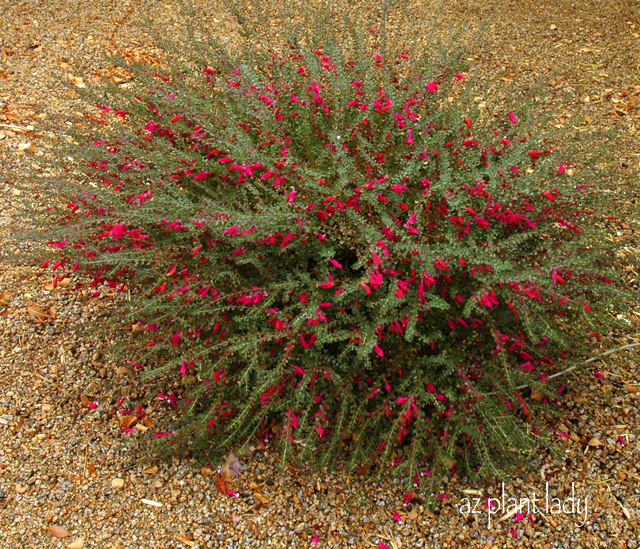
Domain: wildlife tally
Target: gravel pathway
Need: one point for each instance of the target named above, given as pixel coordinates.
(70, 478)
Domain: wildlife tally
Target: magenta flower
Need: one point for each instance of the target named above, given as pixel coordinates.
(307, 340)
(556, 277)
(482, 222)
(232, 230)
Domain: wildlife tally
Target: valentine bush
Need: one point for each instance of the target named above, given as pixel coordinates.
(337, 249)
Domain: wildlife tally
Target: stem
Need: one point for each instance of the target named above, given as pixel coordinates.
(592, 359)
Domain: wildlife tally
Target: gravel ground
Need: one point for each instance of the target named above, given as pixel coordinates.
(70, 478)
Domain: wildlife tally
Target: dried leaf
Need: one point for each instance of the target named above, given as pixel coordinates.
(631, 389)
(551, 521)
(77, 544)
(221, 485)
(206, 472)
(233, 466)
(59, 531)
(227, 475)
(413, 514)
(49, 286)
(117, 483)
(186, 541)
(262, 499)
(594, 442)
(127, 421)
(37, 312)
(535, 395)
(64, 282)
(151, 470)
(78, 82)
(122, 371)
(4, 295)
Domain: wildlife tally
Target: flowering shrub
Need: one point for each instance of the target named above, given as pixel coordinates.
(338, 250)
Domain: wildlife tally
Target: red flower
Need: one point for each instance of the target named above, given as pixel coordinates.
(308, 340)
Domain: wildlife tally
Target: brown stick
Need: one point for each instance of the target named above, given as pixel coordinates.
(571, 368)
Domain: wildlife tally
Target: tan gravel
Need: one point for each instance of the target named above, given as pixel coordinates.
(70, 478)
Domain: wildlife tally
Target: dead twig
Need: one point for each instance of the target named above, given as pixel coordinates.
(589, 360)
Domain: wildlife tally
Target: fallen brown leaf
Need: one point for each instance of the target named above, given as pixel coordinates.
(58, 531)
(232, 467)
(227, 475)
(206, 472)
(127, 421)
(186, 541)
(535, 395)
(38, 313)
(594, 442)
(77, 544)
(150, 470)
(262, 499)
(221, 485)
(78, 82)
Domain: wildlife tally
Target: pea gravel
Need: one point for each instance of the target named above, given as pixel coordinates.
(67, 470)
